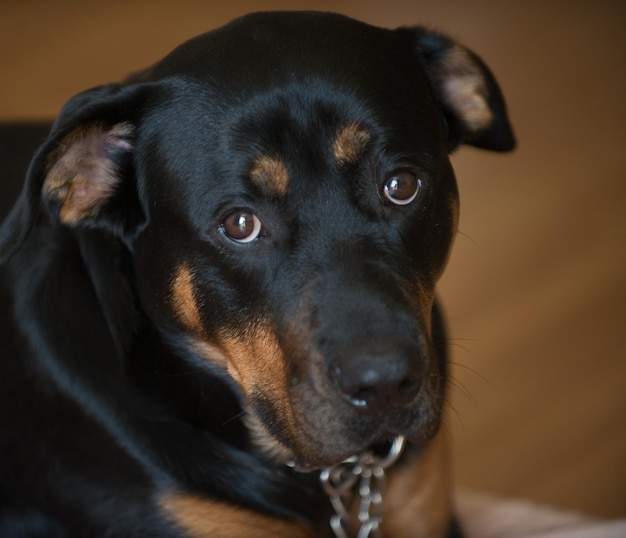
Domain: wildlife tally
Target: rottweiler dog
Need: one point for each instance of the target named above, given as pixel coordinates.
(218, 284)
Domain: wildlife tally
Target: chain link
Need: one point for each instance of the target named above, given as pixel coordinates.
(359, 480)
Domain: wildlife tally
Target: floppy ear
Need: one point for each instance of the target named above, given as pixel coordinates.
(467, 92)
(83, 171)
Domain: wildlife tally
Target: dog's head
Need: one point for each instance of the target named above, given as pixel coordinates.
(284, 188)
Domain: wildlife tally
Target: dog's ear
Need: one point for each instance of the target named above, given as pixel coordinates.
(83, 172)
(466, 90)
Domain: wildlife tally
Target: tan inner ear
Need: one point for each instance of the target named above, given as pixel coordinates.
(465, 89)
(80, 174)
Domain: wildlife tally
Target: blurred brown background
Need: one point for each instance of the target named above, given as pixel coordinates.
(536, 289)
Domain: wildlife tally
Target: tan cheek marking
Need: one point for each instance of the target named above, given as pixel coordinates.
(264, 441)
(203, 518)
(464, 89)
(80, 175)
(184, 301)
(207, 351)
(418, 500)
(349, 143)
(256, 360)
(187, 310)
(271, 174)
(257, 363)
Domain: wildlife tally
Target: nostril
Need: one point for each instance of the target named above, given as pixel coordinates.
(363, 397)
(371, 383)
(407, 390)
(359, 387)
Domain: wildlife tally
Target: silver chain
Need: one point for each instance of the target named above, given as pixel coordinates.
(359, 479)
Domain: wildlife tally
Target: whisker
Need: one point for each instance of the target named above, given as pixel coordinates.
(454, 343)
(234, 418)
(472, 241)
(459, 346)
(445, 419)
(473, 371)
(459, 339)
(463, 390)
(178, 374)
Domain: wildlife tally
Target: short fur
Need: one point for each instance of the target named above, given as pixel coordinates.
(160, 361)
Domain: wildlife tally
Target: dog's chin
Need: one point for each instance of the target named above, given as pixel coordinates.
(358, 436)
(303, 456)
(315, 452)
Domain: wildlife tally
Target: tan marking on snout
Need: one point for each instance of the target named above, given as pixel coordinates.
(264, 440)
(252, 357)
(187, 310)
(418, 498)
(205, 518)
(184, 301)
(271, 174)
(255, 358)
(465, 89)
(207, 351)
(349, 143)
(257, 363)
(80, 176)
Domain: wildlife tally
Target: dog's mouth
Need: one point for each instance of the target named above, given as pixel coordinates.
(313, 433)
(381, 455)
(334, 382)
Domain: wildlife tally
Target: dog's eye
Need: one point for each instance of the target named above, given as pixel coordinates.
(402, 188)
(242, 226)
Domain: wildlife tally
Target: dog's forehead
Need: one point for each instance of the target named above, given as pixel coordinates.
(301, 55)
(260, 48)
(274, 92)
(264, 51)
(307, 133)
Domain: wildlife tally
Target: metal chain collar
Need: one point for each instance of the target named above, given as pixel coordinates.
(359, 479)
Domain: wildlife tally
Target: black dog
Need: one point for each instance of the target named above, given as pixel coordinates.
(227, 263)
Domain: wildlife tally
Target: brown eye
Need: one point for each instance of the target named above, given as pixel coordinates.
(402, 188)
(242, 226)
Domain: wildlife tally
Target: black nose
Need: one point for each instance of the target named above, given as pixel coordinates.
(372, 382)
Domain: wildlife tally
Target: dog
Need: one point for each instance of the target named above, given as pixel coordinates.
(218, 288)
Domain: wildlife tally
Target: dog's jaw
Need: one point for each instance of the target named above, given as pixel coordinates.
(264, 441)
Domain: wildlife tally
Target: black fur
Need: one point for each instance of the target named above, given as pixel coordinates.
(104, 403)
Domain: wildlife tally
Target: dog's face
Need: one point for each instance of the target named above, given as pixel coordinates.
(283, 185)
(300, 253)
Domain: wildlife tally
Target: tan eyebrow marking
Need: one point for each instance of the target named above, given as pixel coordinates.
(271, 174)
(349, 143)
